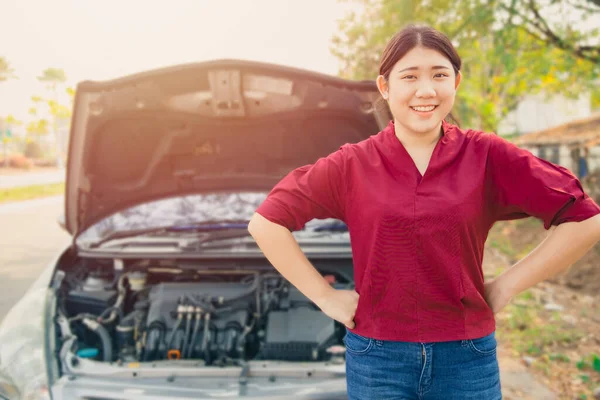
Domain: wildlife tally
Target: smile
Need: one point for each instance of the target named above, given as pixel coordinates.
(424, 108)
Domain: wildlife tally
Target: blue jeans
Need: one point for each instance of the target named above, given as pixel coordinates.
(453, 370)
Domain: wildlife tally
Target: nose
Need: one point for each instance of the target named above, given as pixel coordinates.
(425, 90)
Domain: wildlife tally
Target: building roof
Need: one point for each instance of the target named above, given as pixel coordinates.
(580, 132)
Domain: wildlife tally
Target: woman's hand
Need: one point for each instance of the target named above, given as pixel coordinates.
(340, 305)
(496, 295)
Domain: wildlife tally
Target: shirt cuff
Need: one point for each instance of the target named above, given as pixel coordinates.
(273, 212)
(580, 210)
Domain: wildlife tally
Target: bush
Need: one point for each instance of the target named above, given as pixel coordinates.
(45, 162)
(18, 161)
(33, 150)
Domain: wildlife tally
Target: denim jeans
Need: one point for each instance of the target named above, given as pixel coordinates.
(453, 370)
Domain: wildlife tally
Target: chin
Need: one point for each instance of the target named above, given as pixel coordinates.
(424, 128)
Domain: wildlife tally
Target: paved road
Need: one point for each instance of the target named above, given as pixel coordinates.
(34, 178)
(29, 239)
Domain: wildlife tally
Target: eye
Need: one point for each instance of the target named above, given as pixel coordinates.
(409, 77)
(441, 75)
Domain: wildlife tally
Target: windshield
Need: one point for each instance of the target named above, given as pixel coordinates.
(189, 210)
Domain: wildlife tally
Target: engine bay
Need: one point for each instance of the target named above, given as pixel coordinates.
(219, 313)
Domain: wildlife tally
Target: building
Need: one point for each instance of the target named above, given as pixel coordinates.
(536, 112)
(574, 145)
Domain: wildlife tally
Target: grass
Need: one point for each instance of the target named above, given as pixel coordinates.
(528, 333)
(31, 192)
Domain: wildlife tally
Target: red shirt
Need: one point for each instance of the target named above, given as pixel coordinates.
(417, 241)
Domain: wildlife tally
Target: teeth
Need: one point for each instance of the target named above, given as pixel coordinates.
(424, 109)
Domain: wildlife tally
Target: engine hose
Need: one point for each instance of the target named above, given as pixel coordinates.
(242, 338)
(194, 333)
(174, 332)
(104, 337)
(110, 309)
(120, 298)
(258, 293)
(161, 334)
(188, 326)
(206, 333)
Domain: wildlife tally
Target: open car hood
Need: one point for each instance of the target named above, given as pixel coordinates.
(211, 126)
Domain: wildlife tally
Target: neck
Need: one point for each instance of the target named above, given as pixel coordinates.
(414, 139)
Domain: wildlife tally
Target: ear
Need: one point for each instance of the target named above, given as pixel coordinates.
(458, 79)
(382, 85)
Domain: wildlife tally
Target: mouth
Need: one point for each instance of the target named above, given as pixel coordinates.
(424, 110)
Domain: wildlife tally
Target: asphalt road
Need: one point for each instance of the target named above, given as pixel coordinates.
(29, 239)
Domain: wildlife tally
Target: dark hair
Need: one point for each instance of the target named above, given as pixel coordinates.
(412, 36)
(409, 38)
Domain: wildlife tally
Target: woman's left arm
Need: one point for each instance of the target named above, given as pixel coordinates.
(563, 247)
(521, 185)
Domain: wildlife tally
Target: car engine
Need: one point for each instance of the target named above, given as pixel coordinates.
(217, 316)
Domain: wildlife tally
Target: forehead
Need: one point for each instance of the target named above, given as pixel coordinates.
(422, 57)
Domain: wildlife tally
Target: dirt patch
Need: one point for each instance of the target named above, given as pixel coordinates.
(553, 328)
(515, 239)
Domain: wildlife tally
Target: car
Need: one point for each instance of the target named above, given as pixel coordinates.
(162, 292)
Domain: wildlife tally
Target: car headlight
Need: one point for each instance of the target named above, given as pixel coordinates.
(8, 390)
(25, 378)
(24, 368)
(36, 390)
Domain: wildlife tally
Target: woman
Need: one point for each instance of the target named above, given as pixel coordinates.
(419, 199)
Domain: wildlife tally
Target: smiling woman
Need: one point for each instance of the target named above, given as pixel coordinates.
(419, 76)
(419, 199)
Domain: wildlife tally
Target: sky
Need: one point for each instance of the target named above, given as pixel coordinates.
(99, 40)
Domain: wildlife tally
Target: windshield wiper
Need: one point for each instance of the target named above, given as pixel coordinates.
(336, 226)
(224, 240)
(204, 226)
(220, 230)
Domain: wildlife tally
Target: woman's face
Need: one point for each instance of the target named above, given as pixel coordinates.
(420, 90)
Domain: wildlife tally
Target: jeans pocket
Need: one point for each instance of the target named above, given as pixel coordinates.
(357, 344)
(484, 345)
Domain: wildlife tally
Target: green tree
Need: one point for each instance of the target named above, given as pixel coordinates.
(12, 121)
(6, 72)
(38, 128)
(53, 78)
(559, 23)
(7, 126)
(501, 63)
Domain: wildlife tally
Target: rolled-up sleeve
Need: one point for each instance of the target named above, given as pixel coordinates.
(312, 191)
(524, 185)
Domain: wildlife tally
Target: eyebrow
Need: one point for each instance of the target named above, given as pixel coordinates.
(417, 68)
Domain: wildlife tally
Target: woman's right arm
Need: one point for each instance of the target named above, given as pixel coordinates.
(283, 252)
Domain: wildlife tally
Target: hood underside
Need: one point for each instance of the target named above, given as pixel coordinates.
(221, 125)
